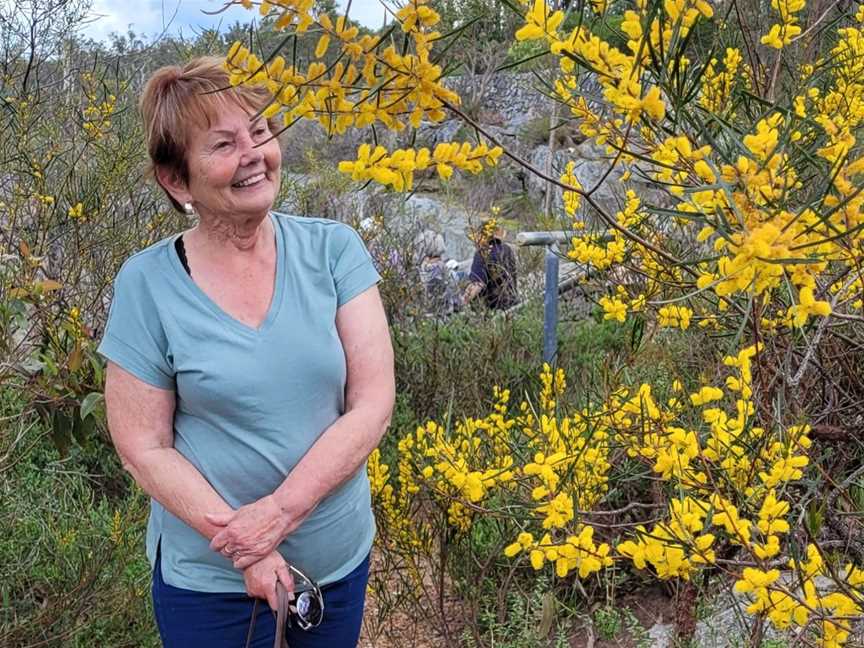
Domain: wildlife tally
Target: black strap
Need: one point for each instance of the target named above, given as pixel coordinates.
(181, 252)
(252, 624)
(281, 618)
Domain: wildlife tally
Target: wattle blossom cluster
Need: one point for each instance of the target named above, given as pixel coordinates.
(718, 85)
(738, 219)
(545, 475)
(98, 112)
(555, 465)
(397, 169)
(783, 33)
(731, 484)
(367, 81)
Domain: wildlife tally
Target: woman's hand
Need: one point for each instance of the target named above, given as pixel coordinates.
(261, 578)
(251, 532)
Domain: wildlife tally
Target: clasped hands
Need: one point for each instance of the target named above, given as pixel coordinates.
(249, 537)
(251, 532)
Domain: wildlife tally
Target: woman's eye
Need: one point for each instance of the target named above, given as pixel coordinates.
(222, 145)
(260, 131)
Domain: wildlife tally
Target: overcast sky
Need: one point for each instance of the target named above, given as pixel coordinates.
(151, 17)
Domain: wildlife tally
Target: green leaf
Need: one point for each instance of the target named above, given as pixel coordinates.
(458, 30)
(507, 66)
(815, 517)
(75, 358)
(548, 614)
(48, 285)
(90, 403)
(637, 332)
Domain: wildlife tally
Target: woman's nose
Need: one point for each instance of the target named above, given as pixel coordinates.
(249, 151)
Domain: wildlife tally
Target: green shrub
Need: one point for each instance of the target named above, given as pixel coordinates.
(454, 364)
(72, 566)
(535, 131)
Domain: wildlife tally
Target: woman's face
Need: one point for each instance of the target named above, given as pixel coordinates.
(234, 168)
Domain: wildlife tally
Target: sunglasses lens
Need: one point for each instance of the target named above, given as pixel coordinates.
(309, 608)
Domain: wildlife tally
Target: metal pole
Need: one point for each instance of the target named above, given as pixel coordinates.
(543, 238)
(550, 308)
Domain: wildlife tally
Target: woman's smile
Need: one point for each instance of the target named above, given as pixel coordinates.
(251, 181)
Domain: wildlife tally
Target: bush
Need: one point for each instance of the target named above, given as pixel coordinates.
(453, 364)
(73, 571)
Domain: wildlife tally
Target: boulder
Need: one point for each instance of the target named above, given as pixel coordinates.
(451, 221)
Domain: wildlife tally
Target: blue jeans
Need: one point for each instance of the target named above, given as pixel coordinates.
(189, 619)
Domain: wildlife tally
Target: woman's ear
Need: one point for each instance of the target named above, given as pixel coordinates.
(169, 180)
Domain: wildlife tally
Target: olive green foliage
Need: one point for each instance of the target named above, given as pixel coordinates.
(607, 621)
(452, 365)
(72, 569)
(455, 363)
(74, 205)
(516, 620)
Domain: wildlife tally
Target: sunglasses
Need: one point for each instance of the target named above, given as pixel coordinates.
(306, 610)
(308, 607)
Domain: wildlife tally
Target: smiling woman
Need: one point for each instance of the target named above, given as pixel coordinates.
(233, 166)
(250, 375)
(196, 126)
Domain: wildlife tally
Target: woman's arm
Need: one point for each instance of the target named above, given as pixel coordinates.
(478, 277)
(471, 291)
(370, 393)
(141, 423)
(343, 447)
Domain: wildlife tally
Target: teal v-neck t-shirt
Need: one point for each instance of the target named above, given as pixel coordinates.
(249, 402)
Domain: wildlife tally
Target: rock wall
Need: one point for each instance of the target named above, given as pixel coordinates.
(513, 96)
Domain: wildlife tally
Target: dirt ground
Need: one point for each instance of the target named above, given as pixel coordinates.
(400, 630)
(649, 606)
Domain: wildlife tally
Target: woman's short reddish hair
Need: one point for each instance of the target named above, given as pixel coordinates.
(174, 98)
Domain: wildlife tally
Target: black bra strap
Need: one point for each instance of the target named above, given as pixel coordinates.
(181, 252)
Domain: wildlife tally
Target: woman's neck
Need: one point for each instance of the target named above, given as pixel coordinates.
(224, 236)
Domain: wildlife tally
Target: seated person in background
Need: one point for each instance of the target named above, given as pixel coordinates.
(493, 270)
(435, 275)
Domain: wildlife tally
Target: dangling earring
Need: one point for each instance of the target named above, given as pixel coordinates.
(189, 209)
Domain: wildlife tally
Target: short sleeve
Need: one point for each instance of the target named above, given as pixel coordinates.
(350, 264)
(479, 271)
(134, 336)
